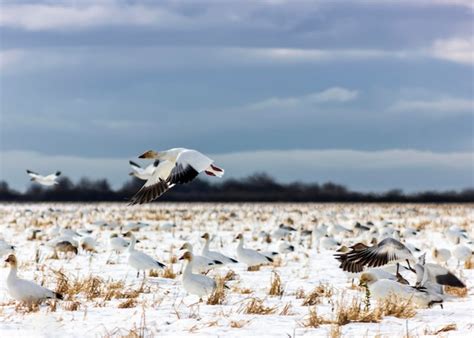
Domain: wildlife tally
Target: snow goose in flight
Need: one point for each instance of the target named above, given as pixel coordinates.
(214, 255)
(201, 264)
(382, 289)
(143, 173)
(44, 180)
(387, 251)
(25, 290)
(177, 166)
(140, 260)
(250, 257)
(195, 284)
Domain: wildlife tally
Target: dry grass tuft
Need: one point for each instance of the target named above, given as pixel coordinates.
(230, 275)
(71, 306)
(237, 324)
(313, 319)
(299, 294)
(168, 272)
(173, 259)
(335, 332)
(129, 303)
(286, 310)
(354, 311)
(153, 273)
(27, 307)
(242, 291)
(322, 290)
(254, 268)
(256, 307)
(276, 289)
(449, 327)
(454, 291)
(397, 307)
(93, 287)
(218, 296)
(469, 264)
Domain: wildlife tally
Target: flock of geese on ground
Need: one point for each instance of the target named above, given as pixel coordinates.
(374, 254)
(367, 251)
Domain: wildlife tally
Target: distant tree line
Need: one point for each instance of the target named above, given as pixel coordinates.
(255, 188)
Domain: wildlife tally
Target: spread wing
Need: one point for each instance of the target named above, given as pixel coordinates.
(33, 174)
(188, 166)
(389, 250)
(155, 186)
(135, 167)
(53, 176)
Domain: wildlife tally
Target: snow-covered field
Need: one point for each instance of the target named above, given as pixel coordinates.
(109, 300)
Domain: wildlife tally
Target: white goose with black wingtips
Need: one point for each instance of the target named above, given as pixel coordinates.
(177, 166)
(250, 257)
(43, 180)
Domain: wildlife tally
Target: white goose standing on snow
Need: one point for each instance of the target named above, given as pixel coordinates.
(195, 284)
(25, 290)
(201, 264)
(140, 260)
(214, 254)
(143, 173)
(250, 257)
(44, 180)
(177, 166)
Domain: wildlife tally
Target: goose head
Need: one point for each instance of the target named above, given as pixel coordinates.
(186, 246)
(205, 236)
(11, 259)
(367, 278)
(150, 154)
(187, 256)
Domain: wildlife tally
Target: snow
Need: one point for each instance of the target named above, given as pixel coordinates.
(165, 309)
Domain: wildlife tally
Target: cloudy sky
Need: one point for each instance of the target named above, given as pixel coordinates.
(371, 94)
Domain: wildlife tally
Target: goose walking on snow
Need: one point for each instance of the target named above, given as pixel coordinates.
(25, 290)
(140, 260)
(214, 254)
(196, 284)
(177, 166)
(44, 180)
(201, 264)
(250, 257)
(143, 173)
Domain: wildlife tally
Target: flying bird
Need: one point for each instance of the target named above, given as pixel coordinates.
(176, 166)
(143, 173)
(386, 251)
(44, 180)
